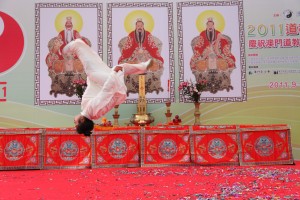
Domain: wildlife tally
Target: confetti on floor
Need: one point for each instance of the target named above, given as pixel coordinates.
(184, 183)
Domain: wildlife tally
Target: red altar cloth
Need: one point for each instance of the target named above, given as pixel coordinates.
(265, 145)
(20, 148)
(133, 146)
(214, 145)
(116, 147)
(64, 148)
(165, 146)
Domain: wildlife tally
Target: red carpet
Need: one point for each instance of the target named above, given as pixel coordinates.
(192, 182)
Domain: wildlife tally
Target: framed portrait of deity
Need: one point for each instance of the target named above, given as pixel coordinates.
(211, 47)
(57, 24)
(138, 32)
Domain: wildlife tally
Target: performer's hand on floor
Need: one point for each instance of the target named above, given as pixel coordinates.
(118, 68)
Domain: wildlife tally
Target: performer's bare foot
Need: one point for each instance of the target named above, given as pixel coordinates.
(118, 68)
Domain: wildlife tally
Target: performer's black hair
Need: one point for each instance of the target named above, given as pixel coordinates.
(85, 126)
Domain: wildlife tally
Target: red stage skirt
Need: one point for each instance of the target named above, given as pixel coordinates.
(165, 146)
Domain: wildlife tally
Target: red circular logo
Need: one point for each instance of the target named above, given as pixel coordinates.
(11, 40)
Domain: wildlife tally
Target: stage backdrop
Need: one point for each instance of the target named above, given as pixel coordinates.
(254, 80)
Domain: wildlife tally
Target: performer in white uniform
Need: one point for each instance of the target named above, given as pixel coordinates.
(105, 85)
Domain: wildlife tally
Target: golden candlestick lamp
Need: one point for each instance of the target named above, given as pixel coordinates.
(142, 118)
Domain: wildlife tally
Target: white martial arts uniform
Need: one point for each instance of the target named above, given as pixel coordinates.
(105, 87)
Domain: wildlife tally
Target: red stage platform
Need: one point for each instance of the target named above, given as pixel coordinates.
(63, 148)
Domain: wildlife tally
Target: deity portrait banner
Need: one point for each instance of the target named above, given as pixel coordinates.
(212, 49)
(138, 32)
(57, 24)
